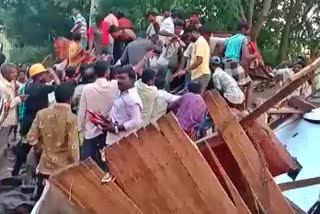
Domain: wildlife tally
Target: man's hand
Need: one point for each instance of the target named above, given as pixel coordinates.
(179, 73)
(23, 97)
(109, 127)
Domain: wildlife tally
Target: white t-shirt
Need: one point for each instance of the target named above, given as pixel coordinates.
(167, 25)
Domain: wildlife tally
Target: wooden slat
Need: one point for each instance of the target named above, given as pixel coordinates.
(257, 174)
(236, 197)
(285, 111)
(83, 183)
(183, 195)
(278, 158)
(303, 105)
(304, 75)
(299, 184)
(196, 165)
(157, 179)
(134, 177)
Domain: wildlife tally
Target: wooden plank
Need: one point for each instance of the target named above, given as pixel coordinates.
(236, 197)
(285, 111)
(303, 105)
(199, 170)
(83, 183)
(299, 184)
(134, 177)
(278, 158)
(304, 75)
(183, 195)
(253, 169)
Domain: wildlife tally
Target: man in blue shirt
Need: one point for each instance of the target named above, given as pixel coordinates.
(237, 53)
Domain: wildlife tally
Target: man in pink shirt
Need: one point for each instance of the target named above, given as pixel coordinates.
(96, 97)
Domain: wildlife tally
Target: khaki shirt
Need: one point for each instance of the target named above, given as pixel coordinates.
(54, 130)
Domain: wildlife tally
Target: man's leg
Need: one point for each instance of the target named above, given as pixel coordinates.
(22, 152)
(4, 137)
(40, 185)
(203, 81)
(88, 149)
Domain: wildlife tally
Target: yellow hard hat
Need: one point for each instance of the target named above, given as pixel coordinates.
(36, 69)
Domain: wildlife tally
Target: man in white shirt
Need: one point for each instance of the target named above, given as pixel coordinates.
(96, 97)
(126, 113)
(80, 27)
(225, 84)
(9, 105)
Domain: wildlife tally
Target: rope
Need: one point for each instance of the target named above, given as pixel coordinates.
(70, 192)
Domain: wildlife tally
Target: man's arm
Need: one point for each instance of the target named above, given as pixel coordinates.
(33, 135)
(134, 112)
(82, 111)
(124, 58)
(73, 141)
(246, 53)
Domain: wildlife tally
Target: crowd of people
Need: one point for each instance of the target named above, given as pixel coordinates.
(111, 81)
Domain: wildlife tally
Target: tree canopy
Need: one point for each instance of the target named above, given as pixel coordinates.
(282, 28)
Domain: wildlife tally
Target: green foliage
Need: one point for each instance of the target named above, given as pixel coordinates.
(29, 54)
(31, 22)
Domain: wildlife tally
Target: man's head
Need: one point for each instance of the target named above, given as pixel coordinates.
(178, 27)
(99, 20)
(114, 71)
(87, 73)
(64, 92)
(195, 33)
(102, 69)
(175, 14)
(22, 76)
(38, 73)
(160, 83)
(244, 27)
(70, 72)
(2, 58)
(75, 11)
(194, 18)
(126, 78)
(194, 87)
(215, 62)
(300, 64)
(186, 38)
(154, 38)
(76, 37)
(9, 72)
(151, 16)
(148, 76)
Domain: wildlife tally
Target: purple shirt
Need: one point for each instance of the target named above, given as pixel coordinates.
(190, 110)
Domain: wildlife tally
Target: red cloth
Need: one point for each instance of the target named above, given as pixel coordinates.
(125, 23)
(104, 26)
(254, 48)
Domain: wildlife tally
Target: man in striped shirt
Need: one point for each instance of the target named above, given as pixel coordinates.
(80, 26)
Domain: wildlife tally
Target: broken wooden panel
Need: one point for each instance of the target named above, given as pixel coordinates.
(253, 168)
(236, 197)
(82, 185)
(304, 75)
(300, 184)
(303, 105)
(160, 173)
(277, 157)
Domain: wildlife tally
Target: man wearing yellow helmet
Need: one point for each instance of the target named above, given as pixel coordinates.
(38, 92)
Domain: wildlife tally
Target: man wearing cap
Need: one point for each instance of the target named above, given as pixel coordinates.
(38, 93)
(225, 84)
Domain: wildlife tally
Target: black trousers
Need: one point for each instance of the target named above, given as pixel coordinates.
(91, 148)
(21, 152)
(40, 184)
